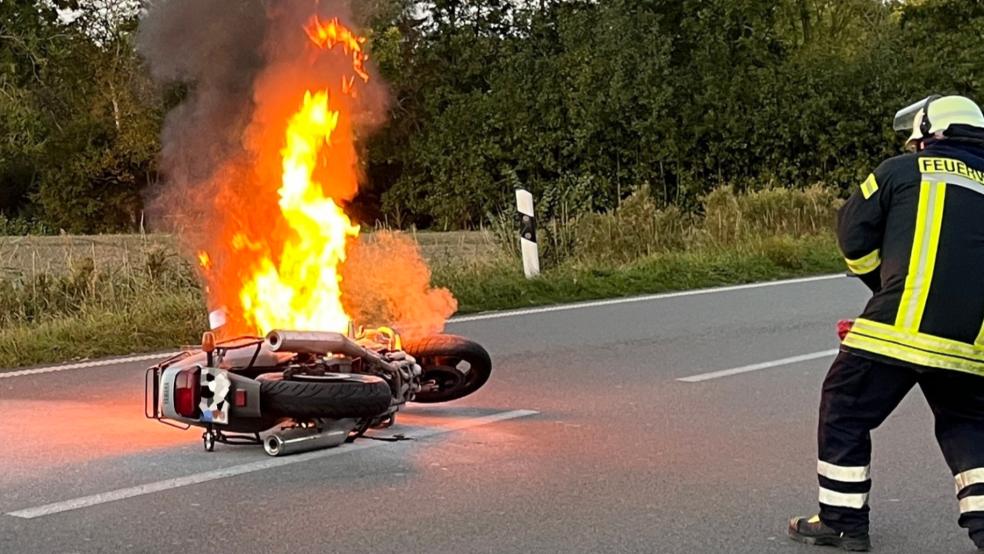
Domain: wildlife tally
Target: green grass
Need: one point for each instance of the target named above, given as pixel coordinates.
(168, 319)
(154, 324)
(69, 298)
(504, 286)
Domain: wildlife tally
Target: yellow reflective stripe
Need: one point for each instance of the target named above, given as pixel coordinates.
(980, 337)
(869, 186)
(913, 278)
(972, 504)
(844, 500)
(913, 355)
(844, 474)
(929, 220)
(970, 477)
(919, 340)
(864, 264)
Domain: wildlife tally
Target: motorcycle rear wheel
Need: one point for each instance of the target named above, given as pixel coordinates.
(334, 395)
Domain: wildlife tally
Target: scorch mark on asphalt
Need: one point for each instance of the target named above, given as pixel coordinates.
(469, 318)
(758, 367)
(168, 484)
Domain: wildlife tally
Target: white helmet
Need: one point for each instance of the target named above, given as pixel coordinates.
(943, 111)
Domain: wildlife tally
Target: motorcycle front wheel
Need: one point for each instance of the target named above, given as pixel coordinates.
(452, 367)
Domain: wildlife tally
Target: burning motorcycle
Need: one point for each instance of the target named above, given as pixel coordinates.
(295, 391)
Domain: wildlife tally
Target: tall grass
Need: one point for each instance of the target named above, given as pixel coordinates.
(149, 298)
(639, 227)
(37, 297)
(731, 217)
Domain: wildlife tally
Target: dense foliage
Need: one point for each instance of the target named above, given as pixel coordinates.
(582, 101)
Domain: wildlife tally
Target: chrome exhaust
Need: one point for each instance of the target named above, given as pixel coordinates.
(321, 342)
(313, 342)
(304, 439)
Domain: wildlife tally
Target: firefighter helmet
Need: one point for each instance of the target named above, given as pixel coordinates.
(935, 114)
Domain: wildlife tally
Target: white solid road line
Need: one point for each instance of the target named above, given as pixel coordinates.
(635, 299)
(269, 463)
(468, 318)
(756, 367)
(83, 365)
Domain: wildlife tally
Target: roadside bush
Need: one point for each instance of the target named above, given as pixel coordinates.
(19, 226)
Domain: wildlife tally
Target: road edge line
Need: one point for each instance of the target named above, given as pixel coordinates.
(470, 318)
(84, 365)
(643, 298)
(252, 467)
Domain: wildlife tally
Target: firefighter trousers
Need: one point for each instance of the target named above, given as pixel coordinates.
(858, 394)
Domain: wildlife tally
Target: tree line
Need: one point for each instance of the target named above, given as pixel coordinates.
(580, 101)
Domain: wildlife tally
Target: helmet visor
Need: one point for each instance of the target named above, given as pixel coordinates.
(906, 117)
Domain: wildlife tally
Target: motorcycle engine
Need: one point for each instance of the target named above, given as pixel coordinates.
(408, 379)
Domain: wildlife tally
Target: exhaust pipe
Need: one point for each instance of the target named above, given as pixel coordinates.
(313, 342)
(322, 342)
(293, 441)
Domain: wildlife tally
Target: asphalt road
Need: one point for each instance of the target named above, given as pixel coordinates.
(622, 456)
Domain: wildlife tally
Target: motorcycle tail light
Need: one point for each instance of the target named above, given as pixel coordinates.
(187, 393)
(239, 400)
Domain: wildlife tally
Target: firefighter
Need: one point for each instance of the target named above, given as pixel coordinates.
(914, 233)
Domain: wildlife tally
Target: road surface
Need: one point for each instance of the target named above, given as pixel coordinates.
(681, 423)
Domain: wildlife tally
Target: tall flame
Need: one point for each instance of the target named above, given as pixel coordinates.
(302, 291)
(293, 278)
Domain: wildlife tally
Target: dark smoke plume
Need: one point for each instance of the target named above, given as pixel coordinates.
(244, 66)
(214, 49)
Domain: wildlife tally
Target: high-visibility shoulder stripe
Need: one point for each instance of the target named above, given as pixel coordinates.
(842, 499)
(970, 477)
(951, 179)
(950, 167)
(865, 264)
(869, 186)
(844, 474)
(929, 221)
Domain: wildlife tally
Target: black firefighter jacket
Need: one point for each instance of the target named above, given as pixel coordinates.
(914, 231)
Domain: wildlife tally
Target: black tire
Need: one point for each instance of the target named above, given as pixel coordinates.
(459, 366)
(335, 396)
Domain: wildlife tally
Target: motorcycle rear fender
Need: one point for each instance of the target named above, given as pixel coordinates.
(248, 387)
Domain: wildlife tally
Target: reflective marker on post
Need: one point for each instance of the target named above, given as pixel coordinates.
(527, 233)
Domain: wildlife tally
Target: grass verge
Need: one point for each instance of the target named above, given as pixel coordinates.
(505, 287)
(174, 315)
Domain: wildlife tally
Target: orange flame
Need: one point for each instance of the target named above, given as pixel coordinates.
(327, 35)
(302, 291)
(293, 280)
(281, 244)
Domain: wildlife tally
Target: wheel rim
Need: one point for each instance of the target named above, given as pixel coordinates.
(450, 375)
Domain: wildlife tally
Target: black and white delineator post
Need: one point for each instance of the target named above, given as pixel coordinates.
(527, 233)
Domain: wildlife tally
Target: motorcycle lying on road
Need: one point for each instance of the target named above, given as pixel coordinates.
(295, 391)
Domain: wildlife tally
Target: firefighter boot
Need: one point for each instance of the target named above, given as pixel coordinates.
(815, 532)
